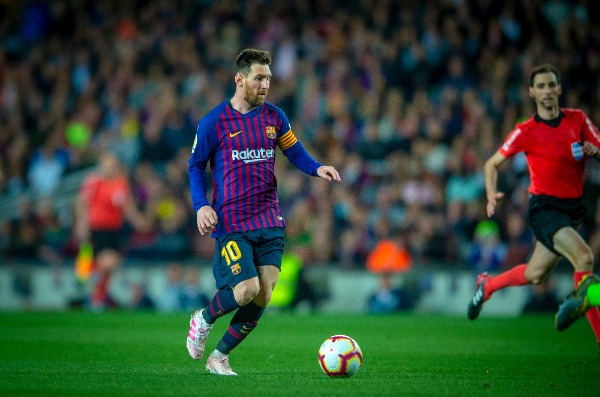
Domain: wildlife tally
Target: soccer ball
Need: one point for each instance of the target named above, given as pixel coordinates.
(340, 356)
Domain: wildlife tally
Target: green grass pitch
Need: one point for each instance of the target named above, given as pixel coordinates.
(144, 354)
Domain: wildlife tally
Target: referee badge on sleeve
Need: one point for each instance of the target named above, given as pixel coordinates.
(577, 150)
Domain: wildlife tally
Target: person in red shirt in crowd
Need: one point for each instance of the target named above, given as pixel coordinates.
(104, 203)
(556, 142)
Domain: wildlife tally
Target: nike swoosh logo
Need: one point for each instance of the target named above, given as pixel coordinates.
(232, 134)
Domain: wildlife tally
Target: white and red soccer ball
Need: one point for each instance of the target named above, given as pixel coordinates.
(340, 356)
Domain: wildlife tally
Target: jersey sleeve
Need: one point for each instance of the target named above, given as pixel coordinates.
(293, 149)
(513, 142)
(205, 143)
(590, 131)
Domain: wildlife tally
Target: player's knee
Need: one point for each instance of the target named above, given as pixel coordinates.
(585, 260)
(245, 297)
(245, 292)
(266, 297)
(535, 276)
(582, 258)
(536, 280)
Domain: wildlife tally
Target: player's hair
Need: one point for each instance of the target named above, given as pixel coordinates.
(545, 68)
(250, 56)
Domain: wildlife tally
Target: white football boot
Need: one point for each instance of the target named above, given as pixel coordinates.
(197, 335)
(218, 364)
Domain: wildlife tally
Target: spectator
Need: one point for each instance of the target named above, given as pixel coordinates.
(54, 236)
(170, 301)
(192, 295)
(47, 166)
(140, 299)
(487, 252)
(24, 235)
(386, 299)
(519, 241)
(390, 255)
(292, 288)
(436, 86)
(389, 298)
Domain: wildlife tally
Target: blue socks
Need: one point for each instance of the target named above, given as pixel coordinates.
(222, 303)
(242, 323)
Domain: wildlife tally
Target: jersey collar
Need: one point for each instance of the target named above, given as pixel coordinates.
(553, 122)
(250, 113)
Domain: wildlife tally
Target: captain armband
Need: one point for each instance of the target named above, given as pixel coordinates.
(287, 140)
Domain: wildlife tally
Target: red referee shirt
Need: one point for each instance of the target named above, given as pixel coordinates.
(554, 151)
(106, 199)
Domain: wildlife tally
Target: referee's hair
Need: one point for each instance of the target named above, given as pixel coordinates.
(544, 68)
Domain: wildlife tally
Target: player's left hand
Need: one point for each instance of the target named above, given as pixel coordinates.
(590, 149)
(329, 173)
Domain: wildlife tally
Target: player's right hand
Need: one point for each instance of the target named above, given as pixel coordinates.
(492, 202)
(206, 219)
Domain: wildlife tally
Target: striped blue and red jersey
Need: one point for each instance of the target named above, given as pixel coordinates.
(240, 149)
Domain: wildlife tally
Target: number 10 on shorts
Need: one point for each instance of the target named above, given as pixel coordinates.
(232, 253)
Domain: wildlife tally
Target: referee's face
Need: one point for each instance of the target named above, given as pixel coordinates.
(545, 90)
(256, 84)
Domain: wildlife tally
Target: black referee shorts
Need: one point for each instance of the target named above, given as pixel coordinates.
(105, 239)
(547, 214)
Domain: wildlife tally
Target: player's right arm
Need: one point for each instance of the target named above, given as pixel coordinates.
(205, 144)
(490, 172)
(206, 219)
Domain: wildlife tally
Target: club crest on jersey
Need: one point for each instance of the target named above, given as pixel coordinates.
(577, 150)
(271, 132)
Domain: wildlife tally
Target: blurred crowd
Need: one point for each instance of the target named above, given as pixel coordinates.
(405, 98)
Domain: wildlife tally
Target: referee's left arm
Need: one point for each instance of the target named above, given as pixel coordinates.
(591, 150)
(590, 137)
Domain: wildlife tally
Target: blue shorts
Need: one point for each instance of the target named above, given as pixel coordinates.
(238, 254)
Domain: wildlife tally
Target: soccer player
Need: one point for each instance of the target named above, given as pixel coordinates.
(239, 138)
(556, 142)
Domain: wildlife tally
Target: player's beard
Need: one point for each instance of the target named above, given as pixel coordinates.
(254, 100)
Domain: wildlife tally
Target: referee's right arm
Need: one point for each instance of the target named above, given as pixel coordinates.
(490, 174)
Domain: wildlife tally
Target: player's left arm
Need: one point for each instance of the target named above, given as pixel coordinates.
(329, 173)
(293, 149)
